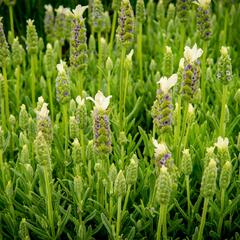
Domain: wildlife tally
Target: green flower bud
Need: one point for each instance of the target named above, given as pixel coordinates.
(153, 65)
(78, 187)
(120, 185)
(49, 62)
(238, 142)
(92, 43)
(31, 129)
(150, 10)
(42, 150)
(29, 173)
(23, 230)
(32, 38)
(40, 44)
(23, 139)
(140, 11)
(223, 151)
(9, 189)
(160, 12)
(60, 24)
(17, 53)
(208, 185)
(132, 171)
(76, 152)
(12, 121)
(116, 5)
(24, 156)
(168, 62)
(225, 176)
(97, 16)
(171, 12)
(23, 118)
(105, 50)
(44, 124)
(78, 42)
(10, 37)
(204, 19)
(81, 113)
(72, 107)
(109, 64)
(125, 30)
(183, 7)
(73, 127)
(90, 151)
(163, 187)
(49, 23)
(2, 140)
(112, 173)
(40, 103)
(62, 84)
(107, 21)
(224, 66)
(4, 48)
(186, 163)
(209, 155)
(69, 18)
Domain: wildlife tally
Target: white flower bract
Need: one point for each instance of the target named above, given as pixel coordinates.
(160, 148)
(192, 54)
(80, 101)
(43, 113)
(222, 143)
(101, 102)
(167, 83)
(79, 10)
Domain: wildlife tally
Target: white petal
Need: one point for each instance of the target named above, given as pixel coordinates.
(80, 101)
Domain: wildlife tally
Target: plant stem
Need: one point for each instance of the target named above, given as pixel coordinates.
(220, 223)
(11, 19)
(118, 218)
(139, 48)
(99, 61)
(188, 195)
(182, 31)
(65, 123)
(121, 88)
(203, 219)
(125, 96)
(177, 130)
(18, 72)
(48, 183)
(223, 112)
(50, 97)
(162, 223)
(108, 83)
(126, 198)
(203, 79)
(83, 147)
(2, 114)
(33, 79)
(113, 30)
(111, 203)
(6, 94)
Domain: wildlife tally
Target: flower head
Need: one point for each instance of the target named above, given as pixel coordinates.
(168, 83)
(203, 3)
(61, 67)
(192, 54)
(224, 51)
(79, 10)
(222, 143)
(43, 113)
(101, 102)
(160, 148)
(80, 101)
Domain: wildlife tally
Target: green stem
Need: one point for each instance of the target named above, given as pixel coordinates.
(177, 130)
(220, 223)
(6, 94)
(203, 79)
(50, 97)
(188, 195)
(182, 31)
(225, 27)
(3, 114)
(83, 147)
(48, 183)
(11, 19)
(111, 203)
(162, 223)
(33, 79)
(99, 61)
(118, 218)
(139, 48)
(65, 123)
(203, 219)
(109, 83)
(125, 96)
(18, 73)
(223, 112)
(121, 88)
(113, 30)
(126, 198)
